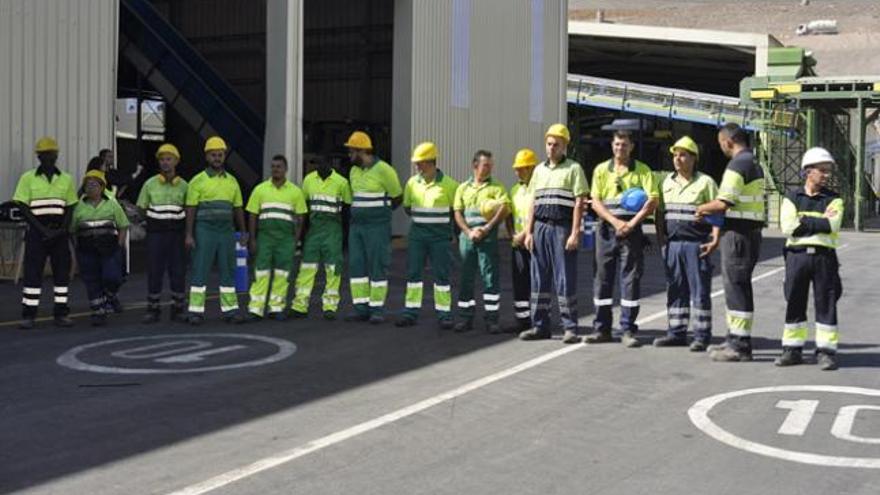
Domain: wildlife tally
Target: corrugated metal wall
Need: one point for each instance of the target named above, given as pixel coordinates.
(59, 79)
(479, 74)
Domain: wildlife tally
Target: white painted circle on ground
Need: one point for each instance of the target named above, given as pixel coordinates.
(699, 415)
(71, 359)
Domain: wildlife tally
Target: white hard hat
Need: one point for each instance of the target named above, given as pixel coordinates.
(815, 156)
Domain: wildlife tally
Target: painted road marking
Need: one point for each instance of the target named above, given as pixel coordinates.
(289, 455)
(799, 417)
(843, 423)
(699, 416)
(192, 350)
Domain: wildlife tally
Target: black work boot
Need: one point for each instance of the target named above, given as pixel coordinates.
(535, 334)
(463, 326)
(670, 341)
(27, 324)
(151, 317)
(827, 361)
(63, 321)
(731, 352)
(790, 357)
(177, 313)
(598, 338)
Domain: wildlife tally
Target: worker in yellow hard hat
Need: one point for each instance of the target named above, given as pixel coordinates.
(524, 164)
(481, 204)
(376, 191)
(685, 246)
(213, 203)
(428, 198)
(99, 227)
(163, 201)
(46, 196)
(552, 234)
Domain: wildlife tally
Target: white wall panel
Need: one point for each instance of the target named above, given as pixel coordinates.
(58, 79)
(496, 113)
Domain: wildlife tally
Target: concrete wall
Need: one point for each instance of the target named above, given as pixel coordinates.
(58, 79)
(471, 74)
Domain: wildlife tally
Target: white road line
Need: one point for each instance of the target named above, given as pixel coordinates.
(348, 433)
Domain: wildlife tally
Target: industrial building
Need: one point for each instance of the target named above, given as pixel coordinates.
(296, 77)
(273, 76)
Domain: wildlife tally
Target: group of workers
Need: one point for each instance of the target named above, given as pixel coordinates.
(543, 213)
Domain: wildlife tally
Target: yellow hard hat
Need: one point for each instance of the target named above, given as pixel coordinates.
(95, 174)
(560, 131)
(169, 149)
(359, 140)
(687, 144)
(489, 208)
(424, 152)
(46, 144)
(525, 158)
(215, 143)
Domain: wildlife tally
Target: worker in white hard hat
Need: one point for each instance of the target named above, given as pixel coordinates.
(810, 217)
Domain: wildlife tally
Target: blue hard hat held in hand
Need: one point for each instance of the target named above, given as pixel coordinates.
(633, 199)
(715, 219)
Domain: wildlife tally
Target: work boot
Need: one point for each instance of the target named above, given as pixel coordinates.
(113, 304)
(151, 317)
(629, 340)
(298, 315)
(790, 357)
(726, 353)
(27, 324)
(177, 313)
(827, 361)
(698, 346)
(463, 326)
(329, 315)
(493, 327)
(405, 321)
(376, 319)
(446, 324)
(99, 319)
(233, 317)
(598, 338)
(196, 320)
(63, 321)
(535, 334)
(570, 337)
(279, 316)
(357, 317)
(670, 341)
(250, 318)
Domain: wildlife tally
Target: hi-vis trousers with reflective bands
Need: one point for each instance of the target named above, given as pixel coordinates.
(689, 290)
(369, 254)
(36, 250)
(739, 255)
(479, 258)
(818, 266)
(613, 255)
(553, 267)
(323, 244)
(273, 263)
(437, 252)
(214, 241)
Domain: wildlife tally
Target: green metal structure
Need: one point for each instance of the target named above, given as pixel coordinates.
(800, 110)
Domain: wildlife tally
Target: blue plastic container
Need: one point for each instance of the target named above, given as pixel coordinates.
(242, 278)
